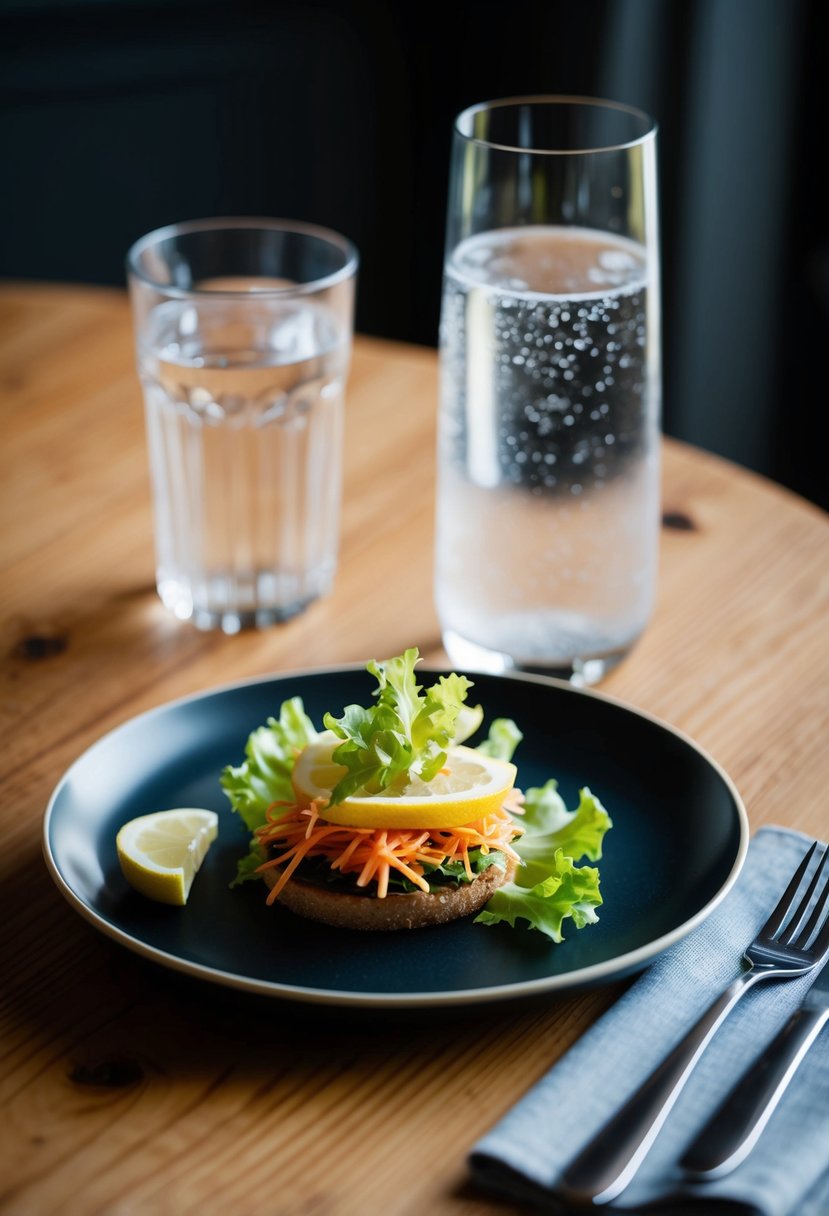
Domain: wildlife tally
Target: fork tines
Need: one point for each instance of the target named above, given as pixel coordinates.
(802, 921)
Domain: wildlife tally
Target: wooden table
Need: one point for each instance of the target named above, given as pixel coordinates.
(126, 1089)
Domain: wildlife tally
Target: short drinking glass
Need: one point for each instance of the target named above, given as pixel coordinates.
(243, 332)
(548, 454)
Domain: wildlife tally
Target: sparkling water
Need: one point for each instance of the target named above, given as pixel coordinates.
(548, 466)
(244, 422)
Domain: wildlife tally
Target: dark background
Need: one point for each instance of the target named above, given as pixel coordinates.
(117, 116)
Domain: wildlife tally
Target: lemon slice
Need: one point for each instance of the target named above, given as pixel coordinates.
(469, 786)
(160, 853)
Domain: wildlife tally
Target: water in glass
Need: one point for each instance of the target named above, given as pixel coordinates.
(244, 419)
(547, 489)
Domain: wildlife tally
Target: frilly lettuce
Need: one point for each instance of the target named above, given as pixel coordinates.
(265, 775)
(504, 737)
(570, 890)
(405, 734)
(548, 886)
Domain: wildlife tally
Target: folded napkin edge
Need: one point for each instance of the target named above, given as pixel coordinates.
(489, 1171)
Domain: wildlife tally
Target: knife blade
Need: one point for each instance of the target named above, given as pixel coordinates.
(735, 1127)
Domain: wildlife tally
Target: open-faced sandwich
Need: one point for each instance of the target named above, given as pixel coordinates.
(389, 820)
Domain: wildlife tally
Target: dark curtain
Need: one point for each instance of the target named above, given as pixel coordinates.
(734, 84)
(117, 116)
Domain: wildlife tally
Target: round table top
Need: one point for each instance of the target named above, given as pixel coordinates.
(132, 1090)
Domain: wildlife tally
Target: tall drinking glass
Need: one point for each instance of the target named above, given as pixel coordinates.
(548, 457)
(243, 333)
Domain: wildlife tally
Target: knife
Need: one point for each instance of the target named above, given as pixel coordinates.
(733, 1130)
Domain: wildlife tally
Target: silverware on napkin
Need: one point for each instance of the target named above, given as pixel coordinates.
(733, 1130)
(793, 941)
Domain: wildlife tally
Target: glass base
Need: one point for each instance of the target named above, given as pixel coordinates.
(235, 622)
(581, 671)
(220, 611)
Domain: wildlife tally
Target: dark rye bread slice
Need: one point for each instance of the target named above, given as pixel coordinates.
(396, 911)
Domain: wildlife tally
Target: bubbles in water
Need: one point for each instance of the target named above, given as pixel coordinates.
(547, 502)
(517, 367)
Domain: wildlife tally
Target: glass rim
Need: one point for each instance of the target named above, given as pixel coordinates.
(231, 223)
(554, 99)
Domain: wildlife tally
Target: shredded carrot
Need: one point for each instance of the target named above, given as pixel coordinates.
(294, 832)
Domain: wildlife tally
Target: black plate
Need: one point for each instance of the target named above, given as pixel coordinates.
(679, 840)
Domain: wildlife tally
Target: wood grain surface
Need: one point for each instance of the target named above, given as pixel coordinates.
(127, 1089)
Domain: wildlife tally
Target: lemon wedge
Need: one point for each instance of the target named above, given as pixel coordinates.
(160, 853)
(470, 785)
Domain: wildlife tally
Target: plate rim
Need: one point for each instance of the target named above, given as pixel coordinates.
(617, 967)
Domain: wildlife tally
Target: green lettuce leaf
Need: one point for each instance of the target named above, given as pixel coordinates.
(404, 735)
(467, 722)
(265, 775)
(247, 866)
(548, 886)
(568, 891)
(504, 737)
(549, 826)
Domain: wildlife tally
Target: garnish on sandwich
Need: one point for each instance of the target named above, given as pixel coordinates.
(388, 820)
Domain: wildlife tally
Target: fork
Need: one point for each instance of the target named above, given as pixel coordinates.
(732, 1131)
(794, 939)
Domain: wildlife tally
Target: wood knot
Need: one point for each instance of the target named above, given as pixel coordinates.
(41, 646)
(107, 1074)
(678, 521)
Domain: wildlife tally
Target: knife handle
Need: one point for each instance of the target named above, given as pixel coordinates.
(735, 1127)
(609, 1161)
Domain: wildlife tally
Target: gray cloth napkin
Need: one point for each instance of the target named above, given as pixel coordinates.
(788, 1172)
